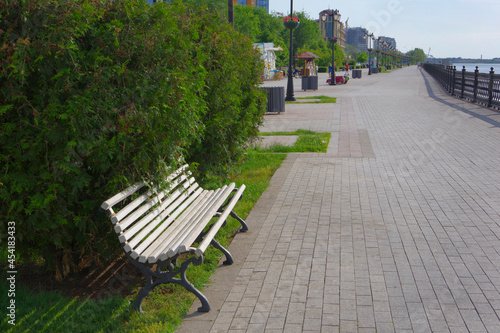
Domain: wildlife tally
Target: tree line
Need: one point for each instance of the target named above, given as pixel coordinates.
(261, 27)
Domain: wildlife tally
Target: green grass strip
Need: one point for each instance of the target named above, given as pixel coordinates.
(322, 99)
(308, 142)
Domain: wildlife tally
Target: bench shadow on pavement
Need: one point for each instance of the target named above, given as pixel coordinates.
(453, 105)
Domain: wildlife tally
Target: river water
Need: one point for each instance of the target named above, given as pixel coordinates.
(483, 68)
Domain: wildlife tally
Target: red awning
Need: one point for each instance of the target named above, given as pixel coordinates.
(307, 55)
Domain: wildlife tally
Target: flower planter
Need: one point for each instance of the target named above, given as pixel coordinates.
(291, 22)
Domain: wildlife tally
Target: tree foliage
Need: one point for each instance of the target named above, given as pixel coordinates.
(416, 55)
(262, 27)
(234, 103)
(96, 95)
(362, 57)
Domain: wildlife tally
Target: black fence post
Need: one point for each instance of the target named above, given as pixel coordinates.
(463, 83)
(453, 80)
(450, 79)
(490, 88)
(476, 79)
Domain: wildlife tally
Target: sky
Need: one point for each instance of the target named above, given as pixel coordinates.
(449, 28)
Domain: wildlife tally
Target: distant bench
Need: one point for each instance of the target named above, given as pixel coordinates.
(155, 226)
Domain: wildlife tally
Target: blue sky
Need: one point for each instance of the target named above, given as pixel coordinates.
(450, 28)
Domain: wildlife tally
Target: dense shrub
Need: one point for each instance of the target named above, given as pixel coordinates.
(234, 106)
(98, 94)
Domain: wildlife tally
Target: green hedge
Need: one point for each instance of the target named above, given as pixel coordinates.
(96, 95)
(234, 103)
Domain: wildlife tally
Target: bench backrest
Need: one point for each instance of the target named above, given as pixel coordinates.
(140, 214)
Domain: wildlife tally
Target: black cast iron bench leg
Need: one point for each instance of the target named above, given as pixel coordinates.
(165, 277)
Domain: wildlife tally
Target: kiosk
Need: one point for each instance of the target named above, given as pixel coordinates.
(309, 71)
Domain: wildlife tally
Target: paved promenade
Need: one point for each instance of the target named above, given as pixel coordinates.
(395, 229)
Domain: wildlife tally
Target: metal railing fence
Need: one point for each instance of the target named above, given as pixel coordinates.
(477, 87)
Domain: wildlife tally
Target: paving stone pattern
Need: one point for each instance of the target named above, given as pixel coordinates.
(395, 229)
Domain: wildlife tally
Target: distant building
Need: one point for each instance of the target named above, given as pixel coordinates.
(254, 3)
(263, 4)
(338, 27)
(356, 37)
(389, 40)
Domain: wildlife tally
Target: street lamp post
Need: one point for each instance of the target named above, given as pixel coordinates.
(370, 38)
(393, 59)
(289, 88)
(379, 49)
(335, 16)
(385, 53)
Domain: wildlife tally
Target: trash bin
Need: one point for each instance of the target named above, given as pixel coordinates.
(275, 99)
(356, 73)
(310, 82)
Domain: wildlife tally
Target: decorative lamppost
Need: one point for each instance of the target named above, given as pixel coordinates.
(385, 54)
(335, 16)
(370, 38)
(391, 60)
(379, 49)
(392, 55)
(291, 23)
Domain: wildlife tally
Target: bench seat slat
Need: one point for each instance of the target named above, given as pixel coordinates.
(179, 227)
(168, 237)
(186, 244)
(187, 225)
(139, 237)
(134, 235)
(170, 222)
(191, 237)
(142, 241)
(211, 234)
(194, 229)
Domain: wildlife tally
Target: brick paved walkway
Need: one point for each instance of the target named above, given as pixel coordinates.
(395, 229)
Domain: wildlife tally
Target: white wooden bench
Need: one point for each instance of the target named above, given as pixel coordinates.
(155, 226)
